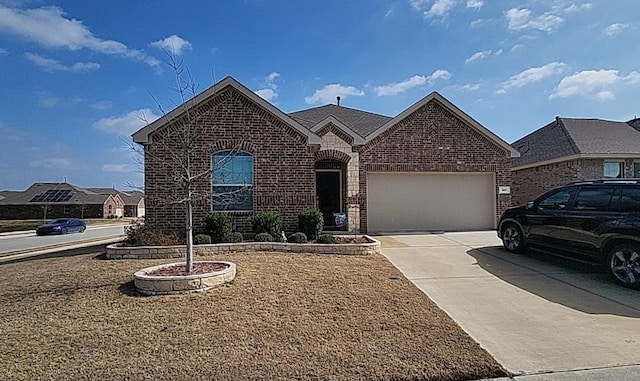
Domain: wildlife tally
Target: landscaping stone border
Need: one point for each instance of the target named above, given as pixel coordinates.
(181, 284)
(117, 251)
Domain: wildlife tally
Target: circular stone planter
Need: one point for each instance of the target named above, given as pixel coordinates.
(182, 284)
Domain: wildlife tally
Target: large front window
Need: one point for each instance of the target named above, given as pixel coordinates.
(613, 170)
(636, 169)
(232, 181)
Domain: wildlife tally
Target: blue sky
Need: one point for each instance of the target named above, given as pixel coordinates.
(77, 76)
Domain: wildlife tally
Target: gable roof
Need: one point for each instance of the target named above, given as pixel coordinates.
(444, 102)
(142, 136)
(74, 195)
(635, 123)
(361, 122)
(569, 138)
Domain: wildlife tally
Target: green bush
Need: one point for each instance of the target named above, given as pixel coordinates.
(298, 237)
(326, 238)
(217, 226)
(264, 237)
(310, 222)
(234, 237)
(267, 222)
(201, 239)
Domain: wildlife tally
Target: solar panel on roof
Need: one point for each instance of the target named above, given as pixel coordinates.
(53, 195)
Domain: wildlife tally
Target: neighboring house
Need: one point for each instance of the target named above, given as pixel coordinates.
(56, 200)
(569, 149)
(133, 201)
(432, 167)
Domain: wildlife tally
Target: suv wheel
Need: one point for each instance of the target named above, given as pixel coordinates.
(512, 238)
(623, 263)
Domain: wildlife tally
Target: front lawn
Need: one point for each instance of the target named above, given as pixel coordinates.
(286, 316)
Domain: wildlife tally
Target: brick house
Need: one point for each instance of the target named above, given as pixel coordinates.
(569, 149)
(432, 167)
(59, 200)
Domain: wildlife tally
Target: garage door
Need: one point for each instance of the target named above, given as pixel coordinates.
(430, 201)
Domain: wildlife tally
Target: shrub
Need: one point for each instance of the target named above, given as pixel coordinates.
(264, 237)
(267, 222)
(234, 237)
(310, 222)
(298, 237)
(217, 226)
(326, 238)
(201, 239)
(139, 234)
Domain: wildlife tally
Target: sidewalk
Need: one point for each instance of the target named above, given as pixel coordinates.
(621, 373)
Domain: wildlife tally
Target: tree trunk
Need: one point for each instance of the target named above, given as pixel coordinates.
(189, 266)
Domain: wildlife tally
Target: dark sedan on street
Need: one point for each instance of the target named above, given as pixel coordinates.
(62, 226)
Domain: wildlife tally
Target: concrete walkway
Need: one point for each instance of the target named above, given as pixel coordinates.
(533, 314)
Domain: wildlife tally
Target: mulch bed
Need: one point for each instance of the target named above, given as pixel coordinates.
(181, 269)
(285, 317)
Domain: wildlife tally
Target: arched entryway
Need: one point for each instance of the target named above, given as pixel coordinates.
(331, 187)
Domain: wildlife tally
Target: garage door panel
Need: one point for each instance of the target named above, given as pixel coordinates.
(430, 201)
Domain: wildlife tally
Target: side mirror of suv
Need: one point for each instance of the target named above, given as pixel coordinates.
(530, 205)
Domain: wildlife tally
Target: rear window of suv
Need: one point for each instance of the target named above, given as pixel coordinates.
(594, 198)
(630, 199)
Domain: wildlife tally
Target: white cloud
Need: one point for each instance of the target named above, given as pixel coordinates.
(521, 19)
(416, 80)
(101, 105)
(270, 90)
(478, 56)
(438, 74)
(616, 28)
(53, 163)
(470, 87)
(532, 75)
(329, 93)
(577, 8)
(475, 4)
(173, 44)
(52, 65)
(400, 87)
(47, 100)
(49, 26)
(597, 83)
(126, 124)
(440, 8)
(267, 94)
(119, 168)
(419, 5)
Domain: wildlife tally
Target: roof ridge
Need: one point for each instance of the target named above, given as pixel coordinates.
(574, 145)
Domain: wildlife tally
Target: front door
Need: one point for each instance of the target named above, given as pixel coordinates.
(328, 194)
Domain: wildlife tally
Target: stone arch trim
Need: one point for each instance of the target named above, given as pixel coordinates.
(233, 144)
(332, 154)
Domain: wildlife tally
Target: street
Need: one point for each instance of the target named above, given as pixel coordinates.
(30, 241)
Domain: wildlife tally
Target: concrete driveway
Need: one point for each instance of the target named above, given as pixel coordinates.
(532, 313)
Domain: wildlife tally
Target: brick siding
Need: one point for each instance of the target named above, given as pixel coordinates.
(529, 183)
(284, 177)
(432, 139)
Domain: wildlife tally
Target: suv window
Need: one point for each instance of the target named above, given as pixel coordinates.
(594, 198)
(557, 200)
(630, 199)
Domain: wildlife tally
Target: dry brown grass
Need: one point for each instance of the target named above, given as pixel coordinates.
(285, 316)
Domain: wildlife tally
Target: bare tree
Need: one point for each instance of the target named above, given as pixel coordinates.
(180, 138)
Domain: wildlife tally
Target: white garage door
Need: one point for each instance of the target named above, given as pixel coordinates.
(430, 201)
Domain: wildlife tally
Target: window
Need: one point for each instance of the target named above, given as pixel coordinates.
(557, 200)
(636, 170)
(630, 200)
(597, 198)
(232, 180)
(613, 170)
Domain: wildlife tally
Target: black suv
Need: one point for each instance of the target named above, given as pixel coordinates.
(596, 221)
